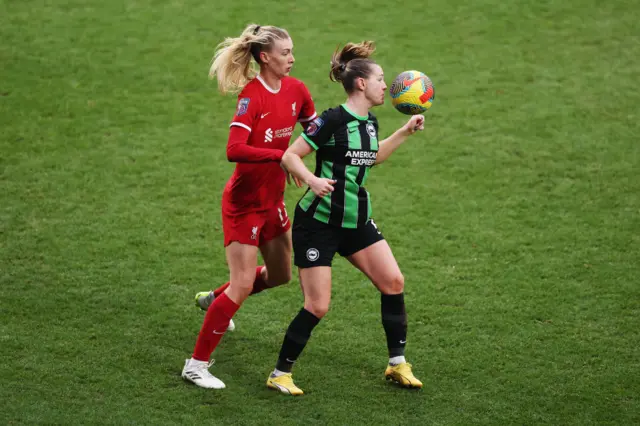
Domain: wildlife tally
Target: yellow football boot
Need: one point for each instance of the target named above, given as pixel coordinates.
(402, 374)
(284, 384)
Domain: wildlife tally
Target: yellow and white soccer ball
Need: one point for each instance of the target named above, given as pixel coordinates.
(412, 92)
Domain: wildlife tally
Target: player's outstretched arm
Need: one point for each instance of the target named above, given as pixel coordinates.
(292, 163)
(390, 144)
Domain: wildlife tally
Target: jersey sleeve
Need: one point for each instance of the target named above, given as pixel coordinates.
(308, 111)
(239, 152)
(247, 110)
(321, 129)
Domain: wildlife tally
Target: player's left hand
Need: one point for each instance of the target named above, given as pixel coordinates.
(415, 123)
(296, 181)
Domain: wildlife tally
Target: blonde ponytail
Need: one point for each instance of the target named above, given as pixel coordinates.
(232, 64)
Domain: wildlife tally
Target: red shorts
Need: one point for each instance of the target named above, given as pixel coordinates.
(256, 228)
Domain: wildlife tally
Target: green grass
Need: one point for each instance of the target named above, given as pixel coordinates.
(515, 217)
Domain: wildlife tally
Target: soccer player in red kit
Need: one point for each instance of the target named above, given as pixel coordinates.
(253, 212)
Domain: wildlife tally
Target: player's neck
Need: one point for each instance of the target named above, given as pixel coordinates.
(358, 105)
(273, 82)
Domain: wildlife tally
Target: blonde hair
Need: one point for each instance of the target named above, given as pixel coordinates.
(351, 62)
(231, 63)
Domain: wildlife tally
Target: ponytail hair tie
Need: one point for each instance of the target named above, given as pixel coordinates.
(255, 32)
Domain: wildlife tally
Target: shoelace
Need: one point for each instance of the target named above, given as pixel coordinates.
(206, 366)
(287, 379)
(406, 367)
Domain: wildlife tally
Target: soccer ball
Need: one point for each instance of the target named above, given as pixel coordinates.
(412, 92)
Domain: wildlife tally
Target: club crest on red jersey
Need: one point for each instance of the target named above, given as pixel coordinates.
(243, 106)
(314, 127)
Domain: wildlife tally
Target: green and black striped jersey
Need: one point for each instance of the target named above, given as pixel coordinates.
(347, 147)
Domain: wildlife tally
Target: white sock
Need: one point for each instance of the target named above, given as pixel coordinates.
(278, 373)
(397, 360)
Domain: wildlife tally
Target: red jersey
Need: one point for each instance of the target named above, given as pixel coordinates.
(269, 116)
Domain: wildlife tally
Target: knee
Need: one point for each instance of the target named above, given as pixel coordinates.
(281, 278)
(395, 285)
(242, 283)
(317, 308)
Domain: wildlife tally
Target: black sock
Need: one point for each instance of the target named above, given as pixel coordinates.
(394, 321)
(296, 339)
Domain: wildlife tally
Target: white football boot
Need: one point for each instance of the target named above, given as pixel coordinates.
(197, 372)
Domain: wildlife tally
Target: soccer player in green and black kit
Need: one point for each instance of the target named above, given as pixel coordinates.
(334, 214)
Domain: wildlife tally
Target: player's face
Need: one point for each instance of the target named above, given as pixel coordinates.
(280, 58)
(375, 86)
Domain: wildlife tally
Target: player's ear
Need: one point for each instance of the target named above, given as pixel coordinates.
(361, 84)
(264, 57)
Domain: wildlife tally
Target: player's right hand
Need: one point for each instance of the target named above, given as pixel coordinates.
(322, 186)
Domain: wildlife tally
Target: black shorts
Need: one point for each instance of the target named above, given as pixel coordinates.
(315, 243)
